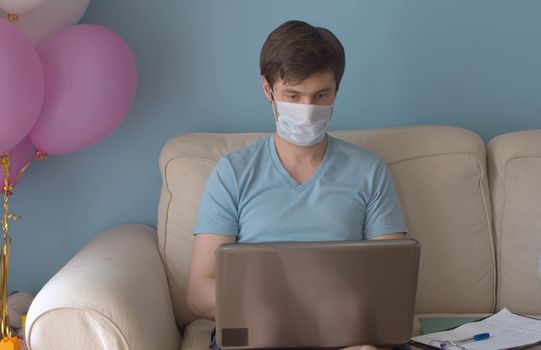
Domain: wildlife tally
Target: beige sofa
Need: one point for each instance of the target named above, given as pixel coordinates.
(127, 288)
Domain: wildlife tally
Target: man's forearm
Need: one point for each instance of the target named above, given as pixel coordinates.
(202, 299)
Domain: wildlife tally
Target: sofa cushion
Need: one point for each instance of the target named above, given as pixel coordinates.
(197, 335)
(440, 175)
(515, 179)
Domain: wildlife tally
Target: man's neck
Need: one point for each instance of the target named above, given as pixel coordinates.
(300, 154)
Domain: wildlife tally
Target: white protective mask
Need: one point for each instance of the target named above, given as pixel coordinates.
(302, 124)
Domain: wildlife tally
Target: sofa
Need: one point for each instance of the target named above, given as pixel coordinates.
(475, 209)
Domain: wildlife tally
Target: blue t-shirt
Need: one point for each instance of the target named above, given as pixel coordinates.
(249, 194)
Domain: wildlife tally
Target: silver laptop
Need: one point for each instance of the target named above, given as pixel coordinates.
(315, 294)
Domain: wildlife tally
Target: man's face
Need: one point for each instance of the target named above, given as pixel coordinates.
(317, 89)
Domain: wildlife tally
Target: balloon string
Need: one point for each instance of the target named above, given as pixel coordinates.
(5, 330)
(39, 155)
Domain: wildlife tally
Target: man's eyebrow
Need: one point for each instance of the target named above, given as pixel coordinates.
(291, 91)
(328, 89)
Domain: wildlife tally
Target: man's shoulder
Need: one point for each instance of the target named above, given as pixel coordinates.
(240, 158)
(354, 154)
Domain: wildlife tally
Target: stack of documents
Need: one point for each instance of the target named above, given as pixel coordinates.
(506, 331)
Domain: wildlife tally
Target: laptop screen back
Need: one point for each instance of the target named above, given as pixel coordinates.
(315, 294)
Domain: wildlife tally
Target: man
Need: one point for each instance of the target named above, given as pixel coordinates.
(300, 184)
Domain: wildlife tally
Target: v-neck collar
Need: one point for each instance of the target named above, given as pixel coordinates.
(317, 174)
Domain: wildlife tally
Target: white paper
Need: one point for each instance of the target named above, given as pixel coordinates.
(506, 330)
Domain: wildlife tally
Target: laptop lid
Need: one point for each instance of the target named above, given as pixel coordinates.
(315, 294)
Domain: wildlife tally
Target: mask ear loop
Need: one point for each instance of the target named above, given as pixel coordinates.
(274, 110)
(332, 110)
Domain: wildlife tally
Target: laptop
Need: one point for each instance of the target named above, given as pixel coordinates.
(315, 294)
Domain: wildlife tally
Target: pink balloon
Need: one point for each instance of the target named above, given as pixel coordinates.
(21, 86)
(90, 83)
(19, 156)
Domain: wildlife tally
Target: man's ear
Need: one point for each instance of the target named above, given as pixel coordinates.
(266, 88)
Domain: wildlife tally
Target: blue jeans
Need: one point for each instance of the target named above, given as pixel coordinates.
(214, 346)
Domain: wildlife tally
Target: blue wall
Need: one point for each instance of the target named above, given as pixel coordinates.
(469, 63)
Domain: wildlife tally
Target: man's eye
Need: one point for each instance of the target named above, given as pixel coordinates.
(322, 95)
(292, 97)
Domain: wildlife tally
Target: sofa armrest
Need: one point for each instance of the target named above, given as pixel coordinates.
(113, 294)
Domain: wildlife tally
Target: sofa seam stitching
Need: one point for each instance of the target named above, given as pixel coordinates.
(78, 308)
(500, 239)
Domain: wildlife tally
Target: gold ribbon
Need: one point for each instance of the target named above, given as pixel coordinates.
(5, 330)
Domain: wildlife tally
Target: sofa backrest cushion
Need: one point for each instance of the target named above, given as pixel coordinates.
(440, 175)
(514, 162)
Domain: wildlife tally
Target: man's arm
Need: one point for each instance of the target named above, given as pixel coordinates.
(201, 280)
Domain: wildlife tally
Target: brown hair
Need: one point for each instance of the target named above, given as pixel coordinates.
(296, 50)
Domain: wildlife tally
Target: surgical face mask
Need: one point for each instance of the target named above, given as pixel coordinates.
(302, 124)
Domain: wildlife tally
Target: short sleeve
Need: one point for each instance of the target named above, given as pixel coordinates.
(383, 211)
(218, 213)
